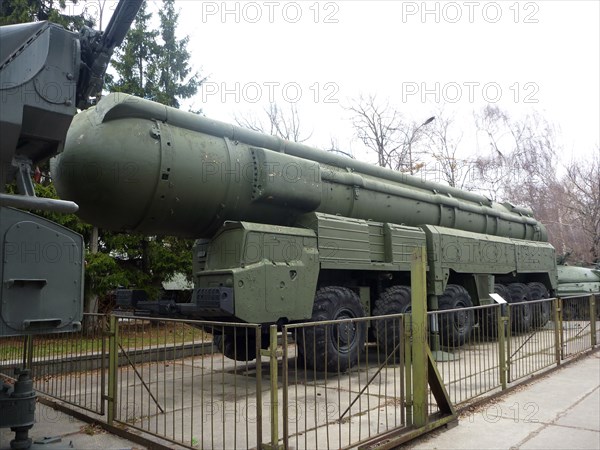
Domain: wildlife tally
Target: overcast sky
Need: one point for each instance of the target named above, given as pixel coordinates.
(524, 55)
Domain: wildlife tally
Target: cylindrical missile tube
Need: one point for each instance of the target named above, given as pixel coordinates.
(132, 164)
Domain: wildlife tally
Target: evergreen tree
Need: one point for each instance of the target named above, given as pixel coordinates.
(175, 79)
(20, 11)
(135, 59)
(147, 68)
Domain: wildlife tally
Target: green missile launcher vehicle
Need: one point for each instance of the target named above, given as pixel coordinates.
(290, 233)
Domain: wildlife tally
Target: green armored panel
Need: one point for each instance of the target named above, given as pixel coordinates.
(473, 253)
(536, 257)
(41, 268)
(343, 241)
(377, 242)
(577, 280)
(400, 243)
(261, 273)
(226, 250)
(346, 243)
(470, 252)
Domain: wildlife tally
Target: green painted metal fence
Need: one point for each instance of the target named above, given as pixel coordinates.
(166, 378)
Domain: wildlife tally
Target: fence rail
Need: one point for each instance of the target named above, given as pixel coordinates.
(340, 405)
(188, 381)
(70, 367)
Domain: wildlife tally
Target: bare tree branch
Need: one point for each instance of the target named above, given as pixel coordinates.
(443, 145)
(286, 125)
(383, 130)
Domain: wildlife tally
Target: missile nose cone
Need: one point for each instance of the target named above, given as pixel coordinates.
(111, 175)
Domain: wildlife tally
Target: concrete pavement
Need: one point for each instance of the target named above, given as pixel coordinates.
(68, 432)
(561, 410)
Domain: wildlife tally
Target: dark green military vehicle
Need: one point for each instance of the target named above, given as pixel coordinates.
(290, 233)
(578, 280)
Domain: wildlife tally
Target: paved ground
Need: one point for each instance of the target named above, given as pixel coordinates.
(559, 411)
(72, 433)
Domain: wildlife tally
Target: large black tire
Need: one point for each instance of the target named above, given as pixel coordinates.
(333, 347)
(455, 327)
(239, 346)
(541, 311)
(491, 323)
(520, 316)
(395, 300)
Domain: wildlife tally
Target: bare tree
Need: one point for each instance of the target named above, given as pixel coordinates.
(521, 161)
(582, 184)
(413, 135)
(378, 127)
(442, 148)
(285, 124)
(493, 122)
(521, 167)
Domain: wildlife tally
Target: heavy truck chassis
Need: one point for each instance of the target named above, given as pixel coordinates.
(330, 267)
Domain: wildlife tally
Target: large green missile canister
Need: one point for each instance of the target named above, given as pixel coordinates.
(133, 164)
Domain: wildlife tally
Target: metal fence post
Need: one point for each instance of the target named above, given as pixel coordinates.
(28, 352)
(113, 364)
(407, 326)
(274, 391)
(418, 271)
(593, 320)
(285, 382)
(502, 322)
(259, 401)
(509, 325)
(557, 329)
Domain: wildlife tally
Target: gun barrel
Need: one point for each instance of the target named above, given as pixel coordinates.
(120, 22)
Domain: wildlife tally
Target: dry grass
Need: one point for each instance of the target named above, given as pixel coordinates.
(133, 333)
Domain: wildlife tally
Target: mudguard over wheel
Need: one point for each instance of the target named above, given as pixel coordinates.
(520, 316)
(455, 327)
(395, 300)
(335, 347)
(541, 311)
